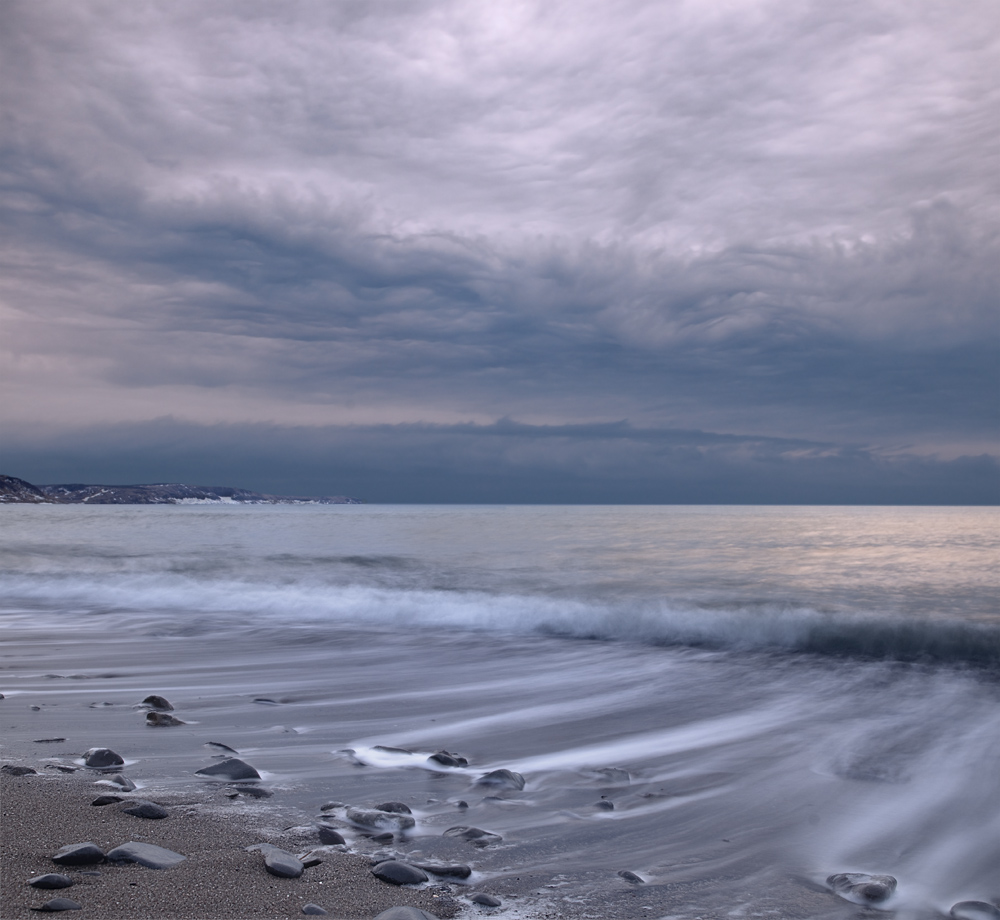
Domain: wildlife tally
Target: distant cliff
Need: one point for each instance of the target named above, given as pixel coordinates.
(14, 490)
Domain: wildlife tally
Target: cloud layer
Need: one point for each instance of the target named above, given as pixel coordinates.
(775, 223)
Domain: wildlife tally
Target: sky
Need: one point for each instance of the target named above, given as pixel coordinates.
(670, 251)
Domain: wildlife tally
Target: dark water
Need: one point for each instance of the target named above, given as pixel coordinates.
(792, 691)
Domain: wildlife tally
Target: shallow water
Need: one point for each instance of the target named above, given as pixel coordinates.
(792, 692)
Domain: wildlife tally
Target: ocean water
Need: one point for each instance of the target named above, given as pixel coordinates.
(765, 696)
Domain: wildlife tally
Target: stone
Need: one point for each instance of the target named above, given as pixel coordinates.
(122, 782)
(405, 913)
(383, 838)
(615, 775)
(59, 904)
(605, 805)
(461, 803)
(255, 792)
(974, 910)
(107, 800)
(486, 900)
(265, 701)
(329, 836)
(14, 770)
(630, 876)
(146, 854)
(390, 750)
(229, 769)
(280, 862)
(309, 859)
(162, 719)
(474, 835)
(862, 888)
(102, 758)
(396, 808)
(379, 820)
(218, 746)
(48, 740)
(155, 701)
(457, 871)
(79, 854)
(62, 767)
(504, 779)
(313, 909)
(399, 873)
(50, 880)
(144, 809)
(448, 759)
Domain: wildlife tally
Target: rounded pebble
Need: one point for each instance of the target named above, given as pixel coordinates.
(330, 836)
(313, 909)
(79, 854)
(397, 808)
(145, 809)
(101, 758)
(231, 768)
(107, 800)
(59, 904)
(504, 778)
(50, 880)
(399, 873)
(486, 900)
(13, 770)
(156, 701)
(630, 876)
(862, 888)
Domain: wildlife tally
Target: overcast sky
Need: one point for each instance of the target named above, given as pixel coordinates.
(678, 250)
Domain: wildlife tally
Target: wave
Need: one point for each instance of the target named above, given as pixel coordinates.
(168, 604)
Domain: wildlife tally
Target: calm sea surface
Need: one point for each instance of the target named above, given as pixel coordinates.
(792, 692)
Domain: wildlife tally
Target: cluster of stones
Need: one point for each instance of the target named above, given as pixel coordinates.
(861, 888)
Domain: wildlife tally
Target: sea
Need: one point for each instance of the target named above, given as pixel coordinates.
(732, 703)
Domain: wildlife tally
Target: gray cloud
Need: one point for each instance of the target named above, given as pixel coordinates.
(742, 217)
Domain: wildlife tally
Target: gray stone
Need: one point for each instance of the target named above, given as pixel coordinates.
(144, 809)
(14, 770)
(379, 820)
(605, 805)
(155, 701)
(79, 854)
(329, 835)
(615, 775)
(48, 740)
(974, 910)
(405, 913)
(229, 769)
(474, 835)
(399, 873)
(122, 782)
(310, 859)
(487, 900)
(861, 888)
(219, 746)
(162, 719)
(313, 909)
(280, 862)
(504, 779)
(630, 876)
(59, 904)
(390, 750)
(255, 792)
(146, 854)
(448, 759)
(457, 871)
(107, 800)
(396, 808)
(51, 880)
(102, 758)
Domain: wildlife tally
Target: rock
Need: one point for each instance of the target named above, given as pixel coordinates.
(49, 740)
(59, 904)
(615, 775)
(50, 880)
(390, 750)
(154, 701)
(79, 854)
(504, 779)
(974, 910)
(381, 820)
(102, 758)
(396, 808)
(313, 909)
(280, 862)
(162, 719)
(266, 701)
(221, 747)
(62, 767)
(146, 854)
(630, 876)
(399, 873)
(107, 800)
(14, 770)
(461, 803)
(458, 871)
(329, 836)
(144, 809)
(383, 838)
(405, 913)
(448, 759)
(474, 835)
(605, 805)
(862, 888)
(122, 782)
(330, 806)
(487, 900)
(309, 859)
(255, 792)
(229, 769)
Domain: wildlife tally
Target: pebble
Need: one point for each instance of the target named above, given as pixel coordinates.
(474, 835)
(405, 913)
(457, 871)
(506, 779)
(101, 758)
(162, 719)
(107, 800)
(48, 740)
(383, 820)
(313, 909)
(231, 768)
(144, 809)
(605, 805)
(61, 767)
(487, 900)
(448, 759)
(50, 880)
(329, 835)
(390, 750)
(221, 747)
(155, 701)
(310, 859)
(122, 782)
(974, 910)
(399, 873)
(614, 775)
(861, 888)
(255, 792)
(280, 862)
(146, 854)
(79, 854)
(13, 770)
(59, 904)
(630, 876)
(398, 808)
(382, 838)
